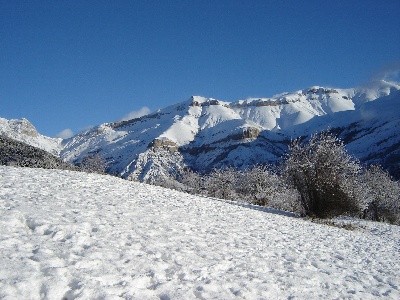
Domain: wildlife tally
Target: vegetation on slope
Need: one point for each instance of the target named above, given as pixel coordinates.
(19, 154)
(317, 179)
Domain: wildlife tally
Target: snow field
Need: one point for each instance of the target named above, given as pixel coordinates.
(69, 235)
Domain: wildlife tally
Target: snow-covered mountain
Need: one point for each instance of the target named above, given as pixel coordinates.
(70, 235)
(22, 130)
(203, 133)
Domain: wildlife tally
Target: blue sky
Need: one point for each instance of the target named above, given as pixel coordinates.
(73, 64)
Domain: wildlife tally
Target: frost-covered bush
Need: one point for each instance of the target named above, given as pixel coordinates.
(193, 182)
(168, 181)
(220, 183)
(257, 185)
(324, 175)
(380, 195)
(286, 198)
(261, 185)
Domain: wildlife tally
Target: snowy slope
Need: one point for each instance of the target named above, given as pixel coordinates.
(203, 133)
(67, 235)
(22, 130)
(371, 132)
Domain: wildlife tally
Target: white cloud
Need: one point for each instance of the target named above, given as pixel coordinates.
(389, 72)
(65, 134)
(136, 114)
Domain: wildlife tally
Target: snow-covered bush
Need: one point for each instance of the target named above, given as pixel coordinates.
(380, 195)
(221, 183)
(169, 181)
(257, 185)
(193, 182)
(324, 174)
(261, 185)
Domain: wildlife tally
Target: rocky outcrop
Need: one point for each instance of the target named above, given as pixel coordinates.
(163, 144)
(272, 102)
(321, 90)
(208, 102)
(155, 166)
(250, 133)
(247, 133)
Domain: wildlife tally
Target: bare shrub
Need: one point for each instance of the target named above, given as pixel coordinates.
(324, 174)
(381, 196)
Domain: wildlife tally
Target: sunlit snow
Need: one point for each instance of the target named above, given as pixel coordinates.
(68, 235)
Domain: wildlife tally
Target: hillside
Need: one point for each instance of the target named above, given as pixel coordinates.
(16, 153)
(68, 235)
(203, 133)
(22, 130)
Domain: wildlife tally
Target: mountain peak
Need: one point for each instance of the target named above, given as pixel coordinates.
(23, 127)
(22, 130)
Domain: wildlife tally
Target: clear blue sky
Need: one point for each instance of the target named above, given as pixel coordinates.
(72, 64)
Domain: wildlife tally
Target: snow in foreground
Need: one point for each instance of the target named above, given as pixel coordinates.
(67, 235)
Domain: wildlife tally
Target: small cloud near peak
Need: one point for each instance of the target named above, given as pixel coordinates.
(389, 72)
(136, 114)
(65, 134)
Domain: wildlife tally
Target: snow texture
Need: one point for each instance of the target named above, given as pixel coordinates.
(68, 235)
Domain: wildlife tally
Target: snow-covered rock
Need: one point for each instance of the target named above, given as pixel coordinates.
(69, 235)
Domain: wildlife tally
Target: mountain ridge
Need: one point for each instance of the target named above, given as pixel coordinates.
(202, 133)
